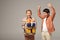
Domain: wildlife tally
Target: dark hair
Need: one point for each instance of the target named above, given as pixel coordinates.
(29, 10)
(46, 10)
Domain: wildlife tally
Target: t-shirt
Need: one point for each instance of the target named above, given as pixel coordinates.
(44, 25)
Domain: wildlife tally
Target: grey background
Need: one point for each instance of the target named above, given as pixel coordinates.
(12, 12)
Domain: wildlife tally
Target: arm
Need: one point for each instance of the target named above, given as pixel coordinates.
(39, 13)
(23, 23)
(52, 11)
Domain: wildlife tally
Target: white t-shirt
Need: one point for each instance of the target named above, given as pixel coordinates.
(44, 25)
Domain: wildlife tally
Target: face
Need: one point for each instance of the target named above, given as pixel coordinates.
(28, 14)
(45, 14)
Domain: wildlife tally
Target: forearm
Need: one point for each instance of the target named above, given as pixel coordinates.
(52, 10)
(23, 24)
(39, 12)
(53, 13)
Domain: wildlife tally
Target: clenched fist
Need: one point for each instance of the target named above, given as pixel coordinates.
(49, 5)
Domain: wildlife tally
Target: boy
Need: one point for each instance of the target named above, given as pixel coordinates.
(29, 25)
(47, 22)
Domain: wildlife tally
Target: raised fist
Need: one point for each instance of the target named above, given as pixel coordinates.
(49, 5)
(39, 7)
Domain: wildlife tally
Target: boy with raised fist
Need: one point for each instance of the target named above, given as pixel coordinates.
(47, 26)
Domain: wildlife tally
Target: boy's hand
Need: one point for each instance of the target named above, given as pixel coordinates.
(39, 7)
(49, 5)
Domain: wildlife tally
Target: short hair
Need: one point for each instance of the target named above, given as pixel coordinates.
(29, 10)
(46, 10)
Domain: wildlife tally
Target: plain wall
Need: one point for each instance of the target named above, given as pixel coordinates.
(13, 11)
